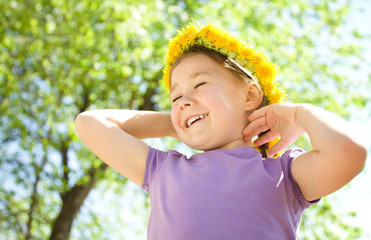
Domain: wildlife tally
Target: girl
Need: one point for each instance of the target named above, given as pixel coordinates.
(224, 94)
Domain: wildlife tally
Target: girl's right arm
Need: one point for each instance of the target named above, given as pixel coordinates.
(113, 135)
(338, 155)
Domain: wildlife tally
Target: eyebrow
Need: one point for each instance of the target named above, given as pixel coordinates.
(193, 76)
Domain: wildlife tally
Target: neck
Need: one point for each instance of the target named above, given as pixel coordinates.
(234, 144)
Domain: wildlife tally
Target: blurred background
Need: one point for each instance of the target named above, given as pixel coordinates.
(61, 57)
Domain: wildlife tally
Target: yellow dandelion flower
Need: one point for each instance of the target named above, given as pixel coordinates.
(215, 29)
(247, 53)
(182, 40)
(220, 42)
(265, 70)
(255, 59)
(202, 33)
(272, 143)
(268, 87)
(174, 50)
(192, 29)
(232, 45)
(166, 78)
(276, 96)
(212, 37)
(208, 29)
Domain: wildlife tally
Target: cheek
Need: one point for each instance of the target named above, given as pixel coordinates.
(174, 118)
(230, 108)
(226, 101)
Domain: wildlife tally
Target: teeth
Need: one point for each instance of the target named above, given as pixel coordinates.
(192, 119)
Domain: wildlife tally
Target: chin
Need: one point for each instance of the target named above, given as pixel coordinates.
(202, 146)
(195, 145)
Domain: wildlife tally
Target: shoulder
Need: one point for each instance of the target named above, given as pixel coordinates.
(290, 154)
(287, 159)
(156, 159)
(284, 161)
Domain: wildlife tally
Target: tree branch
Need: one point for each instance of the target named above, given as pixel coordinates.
(64, 152)
(38, 171)
(72, 202)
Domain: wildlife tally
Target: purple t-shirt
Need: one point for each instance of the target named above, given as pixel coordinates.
(222, 194)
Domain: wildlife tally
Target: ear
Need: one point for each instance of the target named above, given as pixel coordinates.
(253, 96)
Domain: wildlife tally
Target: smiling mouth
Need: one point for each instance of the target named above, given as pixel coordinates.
(194, 119)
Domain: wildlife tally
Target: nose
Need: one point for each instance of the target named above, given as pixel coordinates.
(185, 102)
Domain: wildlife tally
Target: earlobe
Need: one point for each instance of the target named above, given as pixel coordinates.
(253, 96)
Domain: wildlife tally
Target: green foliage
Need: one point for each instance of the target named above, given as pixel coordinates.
(61, 57)
(318, 223)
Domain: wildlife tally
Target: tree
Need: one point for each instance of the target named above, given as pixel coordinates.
(59, 58)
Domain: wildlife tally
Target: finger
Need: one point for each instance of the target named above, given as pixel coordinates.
(261, 112)
(278, 147)
(266, 137)
(253, 126)
(249, 140)
(257, 131)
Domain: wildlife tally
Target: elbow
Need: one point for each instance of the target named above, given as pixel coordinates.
(362, 156)
(78, 120)
(356, 153)
(80, 123)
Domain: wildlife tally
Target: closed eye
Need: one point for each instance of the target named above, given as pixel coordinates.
(200, 84)
(176, 98)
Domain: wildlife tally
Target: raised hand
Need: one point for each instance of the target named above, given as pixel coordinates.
(276, 120)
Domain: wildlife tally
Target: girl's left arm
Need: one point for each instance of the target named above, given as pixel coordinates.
(338, 155)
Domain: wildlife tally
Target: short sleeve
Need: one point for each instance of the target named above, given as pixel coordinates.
(155, 159)
(287, 159)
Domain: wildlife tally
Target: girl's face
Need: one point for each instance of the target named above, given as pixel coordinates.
(208, 110)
